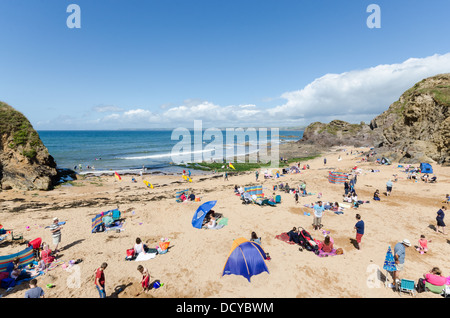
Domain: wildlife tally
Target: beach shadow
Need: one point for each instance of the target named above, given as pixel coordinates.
(354, 243)
(381, 276)
(433, 227)
(118, 289)
(73, 244)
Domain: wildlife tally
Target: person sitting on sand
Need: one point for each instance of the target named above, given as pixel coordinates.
(183, 197)
(139, 247)
(145, 279)
(376, 195)
(335, 207)
(423, 245)
(272, 198)
(212, 221)
(294, 235)
(17, 272)
(433, 277)
(254, 238)
(327, 245)
(46, 255)
(348, 198)
(447, 199)
(287, 188)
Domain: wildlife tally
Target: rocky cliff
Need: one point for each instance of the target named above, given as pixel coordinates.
(415, 128)
(338, 133)
(24, 160)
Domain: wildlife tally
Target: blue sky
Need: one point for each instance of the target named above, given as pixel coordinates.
(162, 64)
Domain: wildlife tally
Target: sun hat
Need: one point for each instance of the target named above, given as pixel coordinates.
(55, 219)
(406, 242)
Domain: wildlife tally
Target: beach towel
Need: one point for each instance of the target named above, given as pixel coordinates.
(222, 221)
(284, 237)
(54, 264)
(145, 257)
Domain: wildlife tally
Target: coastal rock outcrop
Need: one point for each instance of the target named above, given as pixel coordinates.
(415, 128)
(25, 162)
(338, 133)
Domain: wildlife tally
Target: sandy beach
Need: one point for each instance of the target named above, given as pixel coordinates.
(193, 266)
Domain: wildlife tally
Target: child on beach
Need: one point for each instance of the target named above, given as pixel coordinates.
(423, 245)
(145, 280)
(376, 195)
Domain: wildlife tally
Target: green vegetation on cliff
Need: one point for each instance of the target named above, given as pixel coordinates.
(17, 125)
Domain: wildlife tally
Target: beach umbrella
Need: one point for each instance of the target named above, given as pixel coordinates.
(389, 262)
(246, 258)
(197, 219)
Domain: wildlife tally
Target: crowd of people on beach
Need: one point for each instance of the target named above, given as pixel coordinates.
(46, 256)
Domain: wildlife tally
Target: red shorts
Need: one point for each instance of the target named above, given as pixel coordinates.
(358, 237)
(145, 283)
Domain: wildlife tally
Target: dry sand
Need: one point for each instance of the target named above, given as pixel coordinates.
(193, 266)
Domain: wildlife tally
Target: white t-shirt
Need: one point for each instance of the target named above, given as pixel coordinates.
(139, 248)
(210, 226)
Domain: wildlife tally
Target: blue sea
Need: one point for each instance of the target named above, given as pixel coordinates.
(99, 152)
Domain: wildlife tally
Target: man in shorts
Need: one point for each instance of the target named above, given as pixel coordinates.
(359, 227)
(399, 257)
(388, 187)
(318, 212)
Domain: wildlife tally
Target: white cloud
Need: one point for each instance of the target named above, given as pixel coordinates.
(357, 95)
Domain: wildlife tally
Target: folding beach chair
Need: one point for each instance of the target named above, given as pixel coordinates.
(18, 237)
(407, 286)
(434, 289)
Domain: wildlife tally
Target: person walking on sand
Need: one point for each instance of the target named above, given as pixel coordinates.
(359, 227)
(399, 258)
(100, 280)
(55, 229)
(388, 187)
(257, 175)
(318, 212)
(440, 219)
(324, 161)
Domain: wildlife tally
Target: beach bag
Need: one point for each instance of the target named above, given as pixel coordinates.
(339, 251)
(130, 252)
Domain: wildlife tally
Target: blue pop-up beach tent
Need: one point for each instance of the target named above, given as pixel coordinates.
(246, 258)
(426, 168)
(197, 219)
